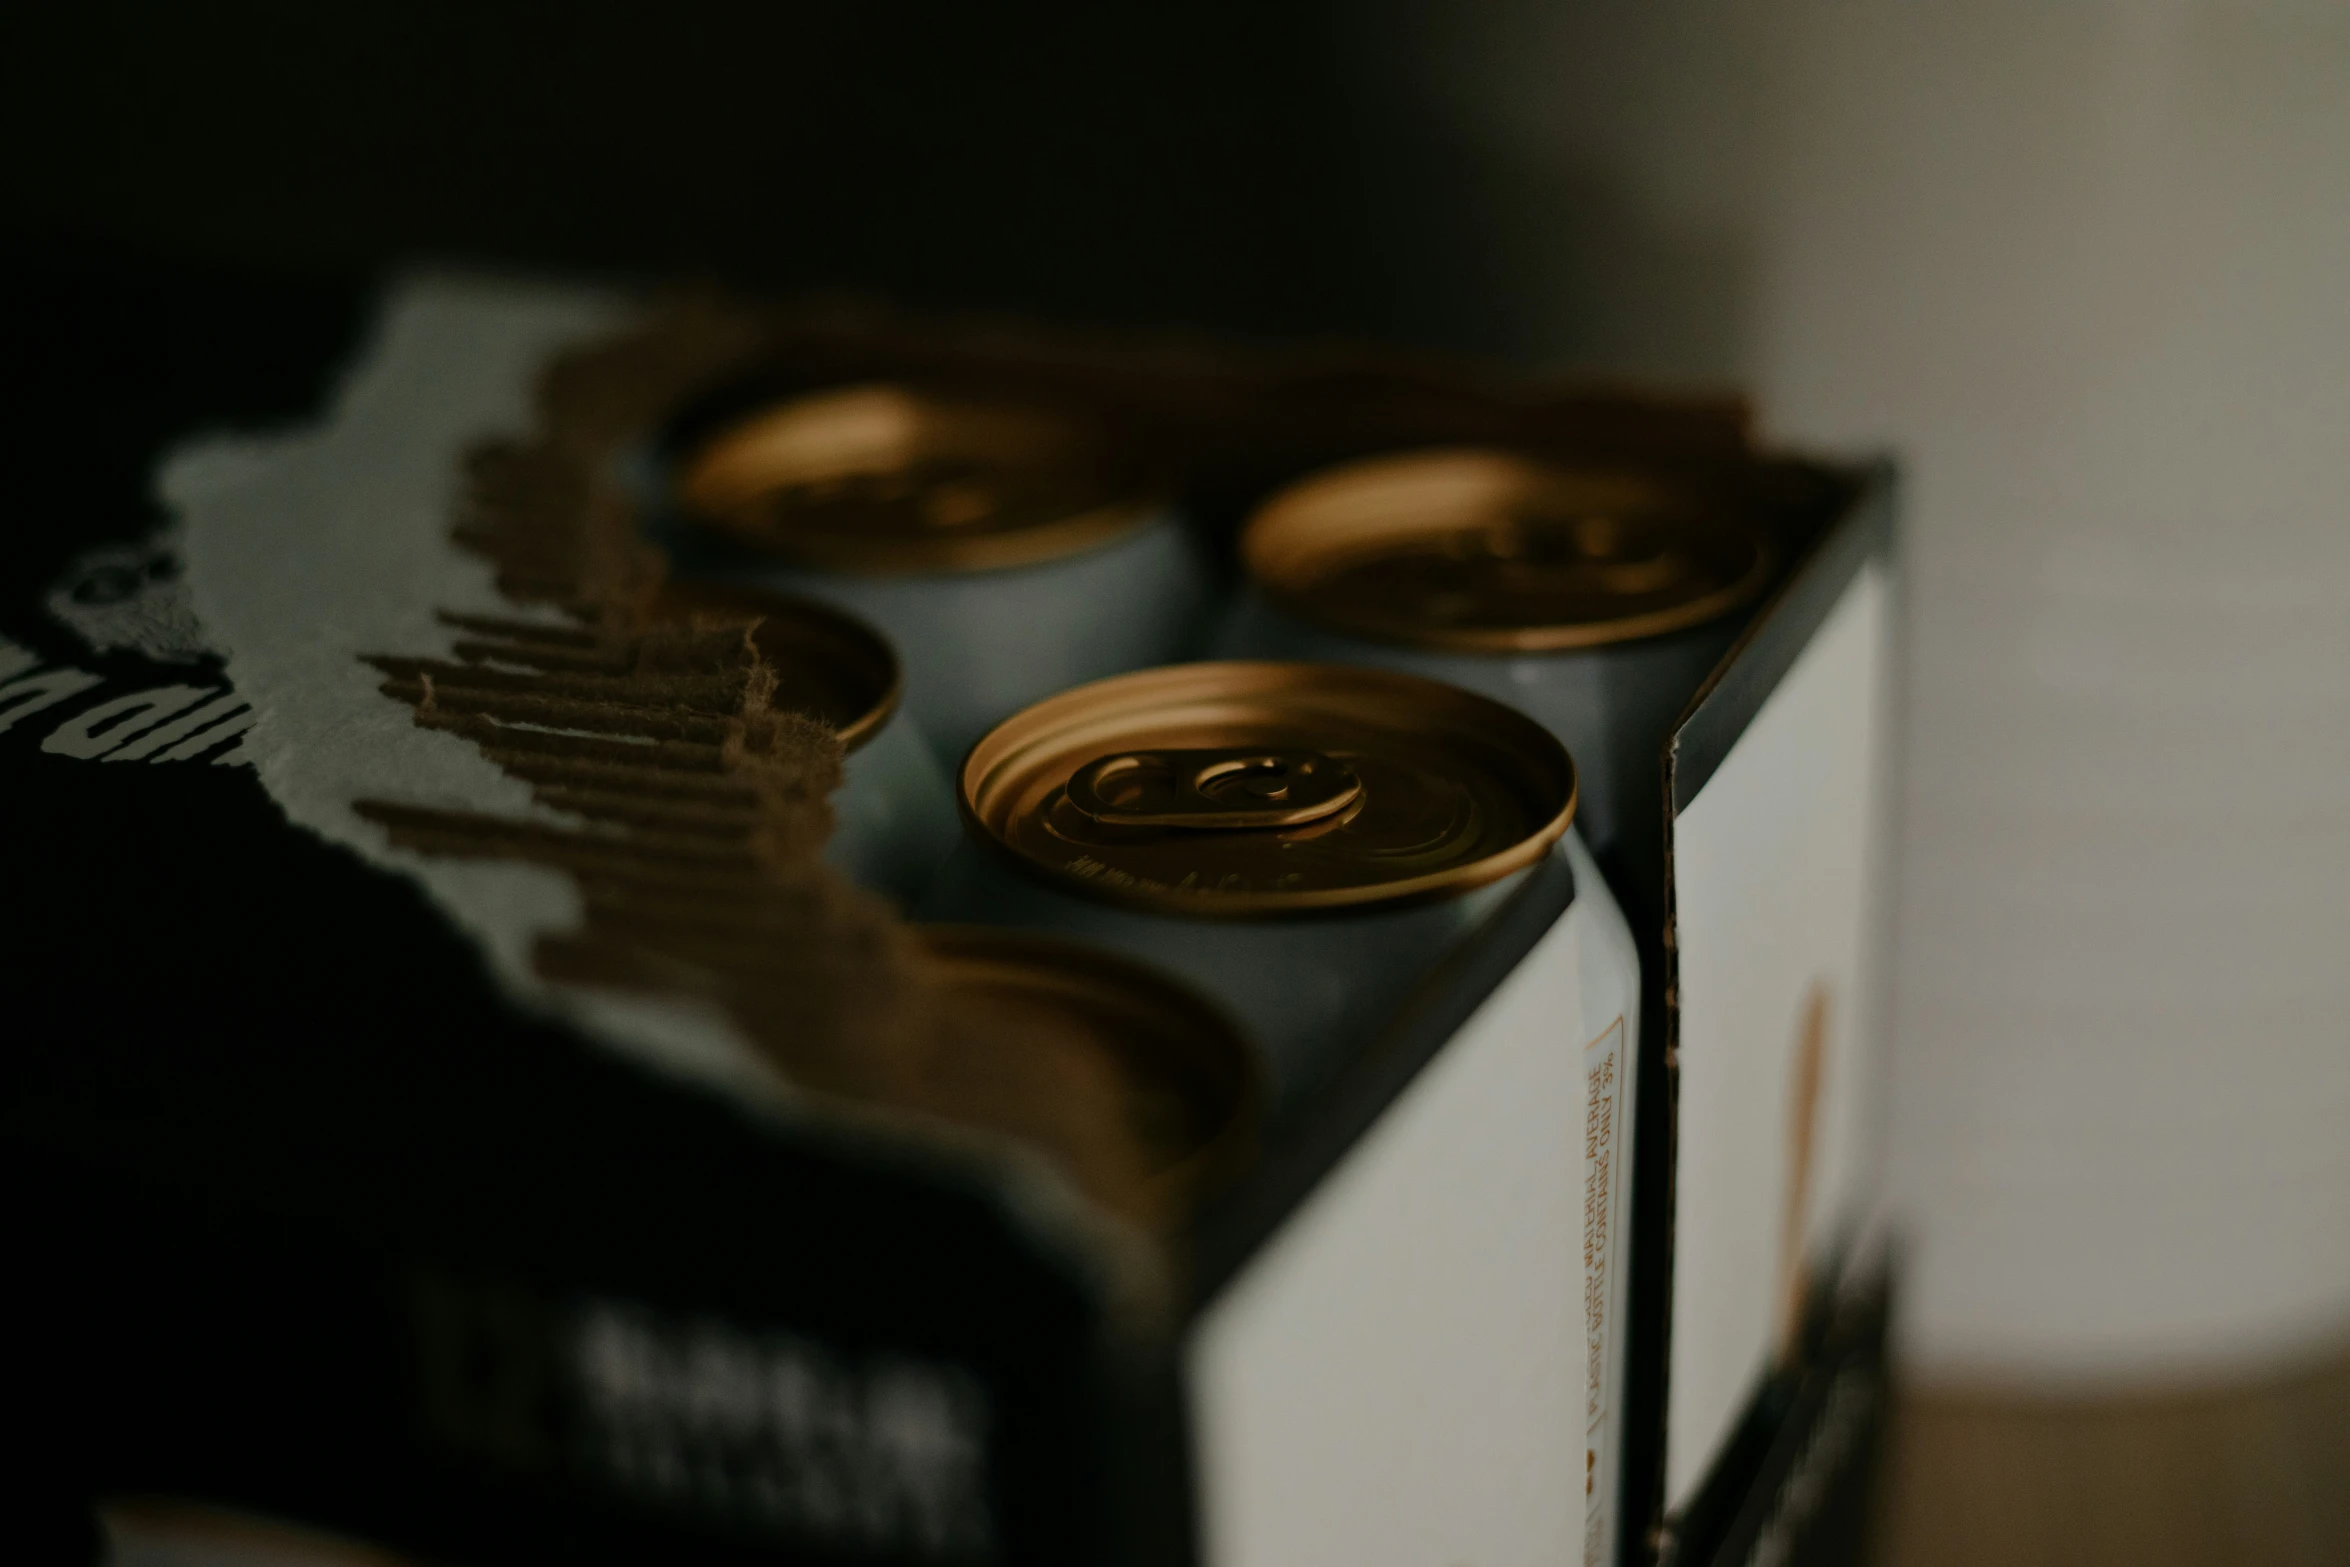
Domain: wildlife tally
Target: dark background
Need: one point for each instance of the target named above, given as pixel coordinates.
(1213, 165)
(196, 197)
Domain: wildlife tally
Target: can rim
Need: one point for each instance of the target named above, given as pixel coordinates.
(1231, 1056)
(1001, 747)
(769, 606)
(1298, 531)
(925, 420)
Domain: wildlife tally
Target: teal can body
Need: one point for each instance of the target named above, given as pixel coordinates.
(1307, 844)
(1596, 601)
(978, 646)
(893, 814)
(1304, 989)
(1613, 707)
(1008, 550)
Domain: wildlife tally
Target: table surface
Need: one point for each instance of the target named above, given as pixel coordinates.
(2255, 1473)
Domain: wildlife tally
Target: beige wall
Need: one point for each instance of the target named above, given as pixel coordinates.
(2087, 268)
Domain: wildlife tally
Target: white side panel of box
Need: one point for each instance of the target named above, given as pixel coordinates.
(1400, 1379)
(1775, 881)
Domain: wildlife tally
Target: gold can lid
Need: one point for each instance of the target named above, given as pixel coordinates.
(830, 666)
(1189, 1088)
(1490, 552)
(1251, 790)
(884, 478)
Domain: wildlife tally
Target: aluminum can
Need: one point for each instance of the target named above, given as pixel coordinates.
(1186, 1084)
(1009, 551)
(894, 817)
(1595, 602)
(1302, 842)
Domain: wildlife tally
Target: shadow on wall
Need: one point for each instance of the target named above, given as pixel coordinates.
(1225, 165)
(1504, 252)
(1577, 185)
(1096, 162)
(2082, 266)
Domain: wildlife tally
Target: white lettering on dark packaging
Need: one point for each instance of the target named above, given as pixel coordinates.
(25, 694)
(94, 731)
(887, 1455)
(175, 723)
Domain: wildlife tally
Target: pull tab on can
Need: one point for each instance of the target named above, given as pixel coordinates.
(1215, 789)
